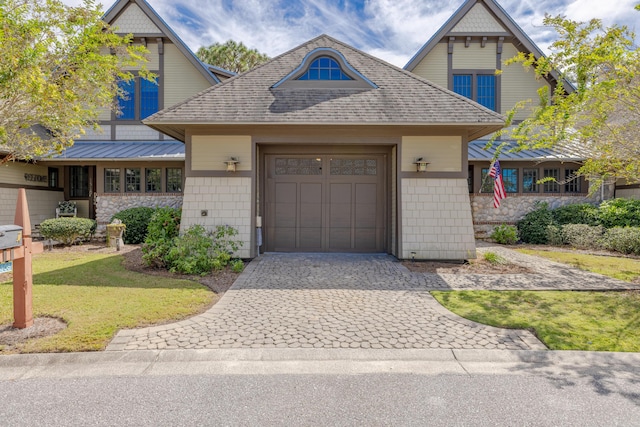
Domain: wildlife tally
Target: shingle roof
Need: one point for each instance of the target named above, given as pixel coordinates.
(559, 153)
(401, 98)
(123, 150)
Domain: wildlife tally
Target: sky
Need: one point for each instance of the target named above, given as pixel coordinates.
(393, 30)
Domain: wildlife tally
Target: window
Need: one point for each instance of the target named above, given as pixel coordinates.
(141, 99)
(54, 177)
(324, 68)
(572, 181)
(148, 98)
(487, 92)
(132, 180)
(510, 179)
(552, 186)
(111, 180)
(174, 180)
(530, 181)
(127, 104)
(462, 85)
(470, 179)
(487, 182)
(152, 179)
(479, 87)
(79, 181)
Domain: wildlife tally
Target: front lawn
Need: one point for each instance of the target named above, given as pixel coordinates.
(563, 320)
(96, 296)
(627, 269)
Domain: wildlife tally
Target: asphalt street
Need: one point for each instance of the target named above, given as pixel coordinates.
(345, 388)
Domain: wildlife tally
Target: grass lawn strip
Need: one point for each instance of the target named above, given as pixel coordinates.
(563, 320)
(96, 297)
(627, 269)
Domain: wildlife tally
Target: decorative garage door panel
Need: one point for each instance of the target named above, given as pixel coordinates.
(325, 204)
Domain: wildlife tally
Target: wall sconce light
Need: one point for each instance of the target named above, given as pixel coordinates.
(413, 257)
(421, 164)
(231, 164)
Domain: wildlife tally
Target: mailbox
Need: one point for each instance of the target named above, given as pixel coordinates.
(10, 236)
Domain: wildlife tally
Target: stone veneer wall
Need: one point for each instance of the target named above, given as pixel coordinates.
(227, 201)
(514, 207)
(436, 219)
(110, 204)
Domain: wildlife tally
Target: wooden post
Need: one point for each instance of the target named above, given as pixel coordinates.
(22, 273)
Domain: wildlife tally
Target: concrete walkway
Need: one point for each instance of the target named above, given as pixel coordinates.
(351, 301)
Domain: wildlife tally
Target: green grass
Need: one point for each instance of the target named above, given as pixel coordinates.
(563, 320)
(96, 296)
(626, 269)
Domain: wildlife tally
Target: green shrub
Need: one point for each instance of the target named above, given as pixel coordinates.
(164, 227)
(493, 258)
(505, 234)
(622, 239)
(580, 213)
(68, 230)
(533, 227)
(237, 266)
(619, 213)
(224, 242)
(199, 251)
(582, 236)
(192, 253)
(137, 221)
(554, 235)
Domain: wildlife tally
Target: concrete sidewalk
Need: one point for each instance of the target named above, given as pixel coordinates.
(313, 361)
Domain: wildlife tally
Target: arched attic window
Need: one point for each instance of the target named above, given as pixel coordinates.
(325, 68)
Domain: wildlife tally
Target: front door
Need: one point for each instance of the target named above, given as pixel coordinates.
(325, 203)
(80, 189)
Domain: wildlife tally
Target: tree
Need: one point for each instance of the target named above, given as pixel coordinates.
(600, 112)
(56, 74)
(231, 56)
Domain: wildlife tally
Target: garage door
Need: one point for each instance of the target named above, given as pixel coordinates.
(325, 203)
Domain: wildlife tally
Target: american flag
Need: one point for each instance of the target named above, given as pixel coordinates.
(498, 185)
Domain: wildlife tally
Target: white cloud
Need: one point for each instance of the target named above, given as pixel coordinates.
(393, 30)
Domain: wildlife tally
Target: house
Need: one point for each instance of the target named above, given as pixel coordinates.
(329, 142)
(335, 149)
(126, 164)
(463, 56)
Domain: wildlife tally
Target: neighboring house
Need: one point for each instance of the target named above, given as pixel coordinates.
(127, 164)
(463, 56)
(327, 138)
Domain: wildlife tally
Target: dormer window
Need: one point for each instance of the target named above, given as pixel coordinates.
(324, 68)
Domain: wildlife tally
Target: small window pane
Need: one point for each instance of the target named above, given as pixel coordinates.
(174, 180)
(572, 181)
(132, 180)
(153, 178)
(487, 182)
(530, 181)
(127, 105)
(112, 180)
(510, 179)
(552, 186)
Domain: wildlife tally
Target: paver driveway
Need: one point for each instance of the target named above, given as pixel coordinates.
(330, 301)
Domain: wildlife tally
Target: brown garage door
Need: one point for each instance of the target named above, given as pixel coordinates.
(325, 203)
